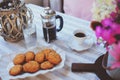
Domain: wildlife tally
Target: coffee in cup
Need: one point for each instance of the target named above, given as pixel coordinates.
(80, 36)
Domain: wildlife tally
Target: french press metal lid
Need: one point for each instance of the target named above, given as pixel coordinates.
(48, 13)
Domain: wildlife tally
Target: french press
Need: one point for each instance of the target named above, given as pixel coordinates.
(50, 28)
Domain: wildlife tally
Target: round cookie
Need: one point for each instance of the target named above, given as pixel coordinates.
(54, 58)
(31, 67)
(15, 70)
(39, 57)
(19, 59)
(29, 56)
(46, 52)
(46, 65)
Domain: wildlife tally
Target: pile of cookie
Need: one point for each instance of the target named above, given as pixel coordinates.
(30, 62)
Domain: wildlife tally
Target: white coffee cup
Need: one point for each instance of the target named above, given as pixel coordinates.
(80, 36)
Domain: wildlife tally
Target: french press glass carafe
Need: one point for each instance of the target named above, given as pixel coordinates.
(49, 24)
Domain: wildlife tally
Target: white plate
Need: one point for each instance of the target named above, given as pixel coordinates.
(60, 65)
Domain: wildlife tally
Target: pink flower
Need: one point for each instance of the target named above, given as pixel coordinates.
(116, 62)
(116, 28)
(115, 65)
(118, 44)
(115, 52)
(118, 0)
(106, 22)
(107, 36)
(98, 31)
(111, 40)
(113, 15)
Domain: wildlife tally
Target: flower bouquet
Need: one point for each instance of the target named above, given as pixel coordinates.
(107, 30)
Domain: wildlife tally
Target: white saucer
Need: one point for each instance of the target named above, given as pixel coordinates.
(80, 47)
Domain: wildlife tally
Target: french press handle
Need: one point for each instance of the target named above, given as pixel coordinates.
(61, 22)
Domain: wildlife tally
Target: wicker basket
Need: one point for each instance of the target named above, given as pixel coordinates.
(12, 21)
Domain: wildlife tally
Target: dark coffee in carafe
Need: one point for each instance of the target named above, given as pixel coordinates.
(49, 33)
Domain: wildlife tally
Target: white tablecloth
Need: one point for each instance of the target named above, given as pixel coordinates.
(63, 37)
